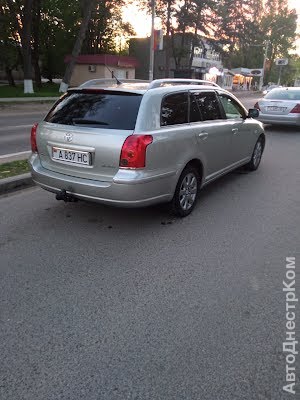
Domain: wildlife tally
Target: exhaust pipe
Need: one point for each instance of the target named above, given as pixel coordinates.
(67, 198)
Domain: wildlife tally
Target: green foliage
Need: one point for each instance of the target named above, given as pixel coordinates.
(245, 26)
(10, 50)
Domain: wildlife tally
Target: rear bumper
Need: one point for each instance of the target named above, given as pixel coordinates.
(290, 119)
(138, 193)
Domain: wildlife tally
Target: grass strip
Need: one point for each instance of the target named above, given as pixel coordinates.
(46, 90)
(14, 168)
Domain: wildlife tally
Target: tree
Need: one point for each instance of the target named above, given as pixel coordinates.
(10, 50)
(279, 27)
(21, 19)
(58, 29)
(88, 7)
(36, 20)
(105, 26)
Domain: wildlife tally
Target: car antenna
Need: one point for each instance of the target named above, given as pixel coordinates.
(113, 75)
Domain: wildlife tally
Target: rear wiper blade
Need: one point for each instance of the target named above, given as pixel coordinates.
(88, 121)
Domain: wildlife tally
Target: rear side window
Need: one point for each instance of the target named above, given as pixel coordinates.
(110, 110)
(283, 94)
(208, 105)
(174, 109)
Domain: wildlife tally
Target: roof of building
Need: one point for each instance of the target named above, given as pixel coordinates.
(105, 59)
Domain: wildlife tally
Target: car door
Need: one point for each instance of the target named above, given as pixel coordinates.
(242, 139)
(212, 133)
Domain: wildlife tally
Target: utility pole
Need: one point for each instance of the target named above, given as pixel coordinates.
(151, 61)
(261, 81)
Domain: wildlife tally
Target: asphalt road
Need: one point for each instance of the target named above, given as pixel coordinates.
(15, 127)
(16, 123)
(102, 303)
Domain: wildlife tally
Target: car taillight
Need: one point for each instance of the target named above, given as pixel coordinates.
(256, 105)
(133, 153)
(34, 148)
(296, 109)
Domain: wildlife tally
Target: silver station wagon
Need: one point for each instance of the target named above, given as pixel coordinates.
(137, 143)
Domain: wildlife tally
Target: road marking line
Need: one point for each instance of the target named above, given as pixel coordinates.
(7, 128)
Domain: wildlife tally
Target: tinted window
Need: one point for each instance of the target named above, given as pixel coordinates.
(111, 110)
(231, 107)
(283, 94)
(208, 105)
(195, 114)
(174, 109)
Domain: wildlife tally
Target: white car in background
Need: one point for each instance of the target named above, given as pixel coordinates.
(270, 87)
(281, 106)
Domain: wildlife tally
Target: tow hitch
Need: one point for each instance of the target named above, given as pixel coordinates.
(67, 198)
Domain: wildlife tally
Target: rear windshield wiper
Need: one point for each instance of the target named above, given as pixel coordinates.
(83, 121)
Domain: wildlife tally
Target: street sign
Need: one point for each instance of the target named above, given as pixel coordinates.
(281, 61)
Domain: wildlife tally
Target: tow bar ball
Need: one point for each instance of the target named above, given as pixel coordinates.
(67, 198)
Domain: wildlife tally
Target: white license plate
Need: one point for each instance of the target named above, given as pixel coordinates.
(275, 108)
(71, 156)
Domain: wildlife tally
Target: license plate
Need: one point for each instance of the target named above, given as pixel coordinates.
(71, 156)
(275, 108)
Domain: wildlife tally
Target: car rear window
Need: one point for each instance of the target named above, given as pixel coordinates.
(283, 94)
(106, 109)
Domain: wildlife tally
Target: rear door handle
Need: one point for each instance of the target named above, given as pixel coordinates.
(203, 135)
(235, 131)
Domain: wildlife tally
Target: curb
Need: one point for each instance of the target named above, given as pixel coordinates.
(14, 183)
(6, 158)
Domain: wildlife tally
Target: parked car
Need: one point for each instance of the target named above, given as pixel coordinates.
(135, 144)
(281, 106)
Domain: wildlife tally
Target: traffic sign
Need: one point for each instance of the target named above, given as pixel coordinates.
(281, 61)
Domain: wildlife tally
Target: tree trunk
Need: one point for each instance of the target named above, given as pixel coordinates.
(24, 29)
(26, 45)
(36, 41)
(89, 6)
(191, 59)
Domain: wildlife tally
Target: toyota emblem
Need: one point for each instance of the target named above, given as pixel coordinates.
(68, 137)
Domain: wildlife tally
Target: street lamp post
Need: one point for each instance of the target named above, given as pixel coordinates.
(151, 61)
(261, 80)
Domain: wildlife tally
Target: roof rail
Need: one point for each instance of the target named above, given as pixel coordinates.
(179, 81)
(108, 82)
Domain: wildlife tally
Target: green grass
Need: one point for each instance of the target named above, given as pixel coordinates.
(47, 90)
(13, 168)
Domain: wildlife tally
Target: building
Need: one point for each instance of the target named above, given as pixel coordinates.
(204, 63)
(245, 78)
(93, 66)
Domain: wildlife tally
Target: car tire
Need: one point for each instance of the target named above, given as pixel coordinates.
(186, 193)
(253, 164)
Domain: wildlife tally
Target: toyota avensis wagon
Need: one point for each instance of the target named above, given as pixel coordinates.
(137, 143)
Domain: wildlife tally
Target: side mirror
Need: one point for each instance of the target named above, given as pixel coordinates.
(253, 113)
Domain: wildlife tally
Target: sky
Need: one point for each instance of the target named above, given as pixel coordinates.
(142, 22)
